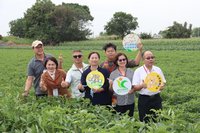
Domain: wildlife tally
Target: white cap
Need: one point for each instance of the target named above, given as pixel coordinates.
(36, 43)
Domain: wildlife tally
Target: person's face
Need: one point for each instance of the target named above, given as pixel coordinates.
(77, 57)
(122, 61)
(148, 58)
(94, 60)
(110, 53)
(39, 50)
(51, 66)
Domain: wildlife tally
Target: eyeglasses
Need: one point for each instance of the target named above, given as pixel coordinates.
(151, 57)
(120, 60)
(77, 56)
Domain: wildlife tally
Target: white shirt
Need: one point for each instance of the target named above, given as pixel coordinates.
(73, 77)
(140, 75)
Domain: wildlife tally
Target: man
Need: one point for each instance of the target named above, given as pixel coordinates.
(74, 74)
(35, 69)
(147, 99)
(111, 51)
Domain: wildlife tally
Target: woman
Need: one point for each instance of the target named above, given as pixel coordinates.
(124, 102)
(51, 79)
(97, 96)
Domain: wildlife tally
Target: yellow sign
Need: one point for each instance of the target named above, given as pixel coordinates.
(95, 79)
(153, 81)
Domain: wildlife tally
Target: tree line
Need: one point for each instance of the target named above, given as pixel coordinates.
(70, 22)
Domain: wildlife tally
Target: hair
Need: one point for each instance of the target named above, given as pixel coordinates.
(109, 45)
(51, 59)
(90, 54)
(144, 53)
(118, 55)
(76, 51)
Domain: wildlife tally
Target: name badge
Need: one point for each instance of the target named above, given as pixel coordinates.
(55, 92)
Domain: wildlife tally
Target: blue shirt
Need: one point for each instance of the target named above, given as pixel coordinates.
(35, 69)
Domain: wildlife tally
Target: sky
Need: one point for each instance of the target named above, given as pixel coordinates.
(152, 15)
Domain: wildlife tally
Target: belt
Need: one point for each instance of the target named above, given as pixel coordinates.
(150, 96)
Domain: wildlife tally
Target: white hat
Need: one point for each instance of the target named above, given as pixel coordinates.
(36, 43)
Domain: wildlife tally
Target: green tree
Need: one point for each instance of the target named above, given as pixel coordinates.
(53, 24)
(17, 27)
(177, 30)
(196, 32)
(38, 24)
(145, 35)
(71, 21)
(121, 24)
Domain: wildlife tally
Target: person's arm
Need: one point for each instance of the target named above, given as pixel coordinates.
(67, 82)
(83, 85)
(43, 85)
(137, 81)
(135, 62)
(28, 85)
(139, 54)
(139, 87)
(60, 61)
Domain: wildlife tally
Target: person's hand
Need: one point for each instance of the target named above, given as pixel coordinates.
(110, 84)
(97, 90)
(140, 46)
(80, 87)
(63, 83)
(131, 91)
(25, 93)
(162, 86)
(60, 58)
(143, 85)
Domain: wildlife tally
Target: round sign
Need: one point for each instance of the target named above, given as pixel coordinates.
(122, 85)
(131, 41)
(153, 81)
(95, 80)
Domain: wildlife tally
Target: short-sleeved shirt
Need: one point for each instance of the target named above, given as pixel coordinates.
(123, 99)
(74, 78)
(111, 66)
(140, 75)
(35, 69)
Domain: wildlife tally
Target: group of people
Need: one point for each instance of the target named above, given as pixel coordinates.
(46, 73)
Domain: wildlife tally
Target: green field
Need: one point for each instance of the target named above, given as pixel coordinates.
(179, 60)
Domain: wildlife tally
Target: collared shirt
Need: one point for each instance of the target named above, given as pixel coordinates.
(74, 77)
(35, 69)
(140, 75)
(123, 99)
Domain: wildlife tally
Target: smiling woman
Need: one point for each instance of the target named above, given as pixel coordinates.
(96, 76)
(51, 79)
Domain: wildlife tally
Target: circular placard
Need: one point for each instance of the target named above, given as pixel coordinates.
(153, 81)
(95, 80)
(130, 42)
(122, 85)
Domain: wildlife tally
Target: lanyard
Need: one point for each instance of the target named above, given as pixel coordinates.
(146, 70)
